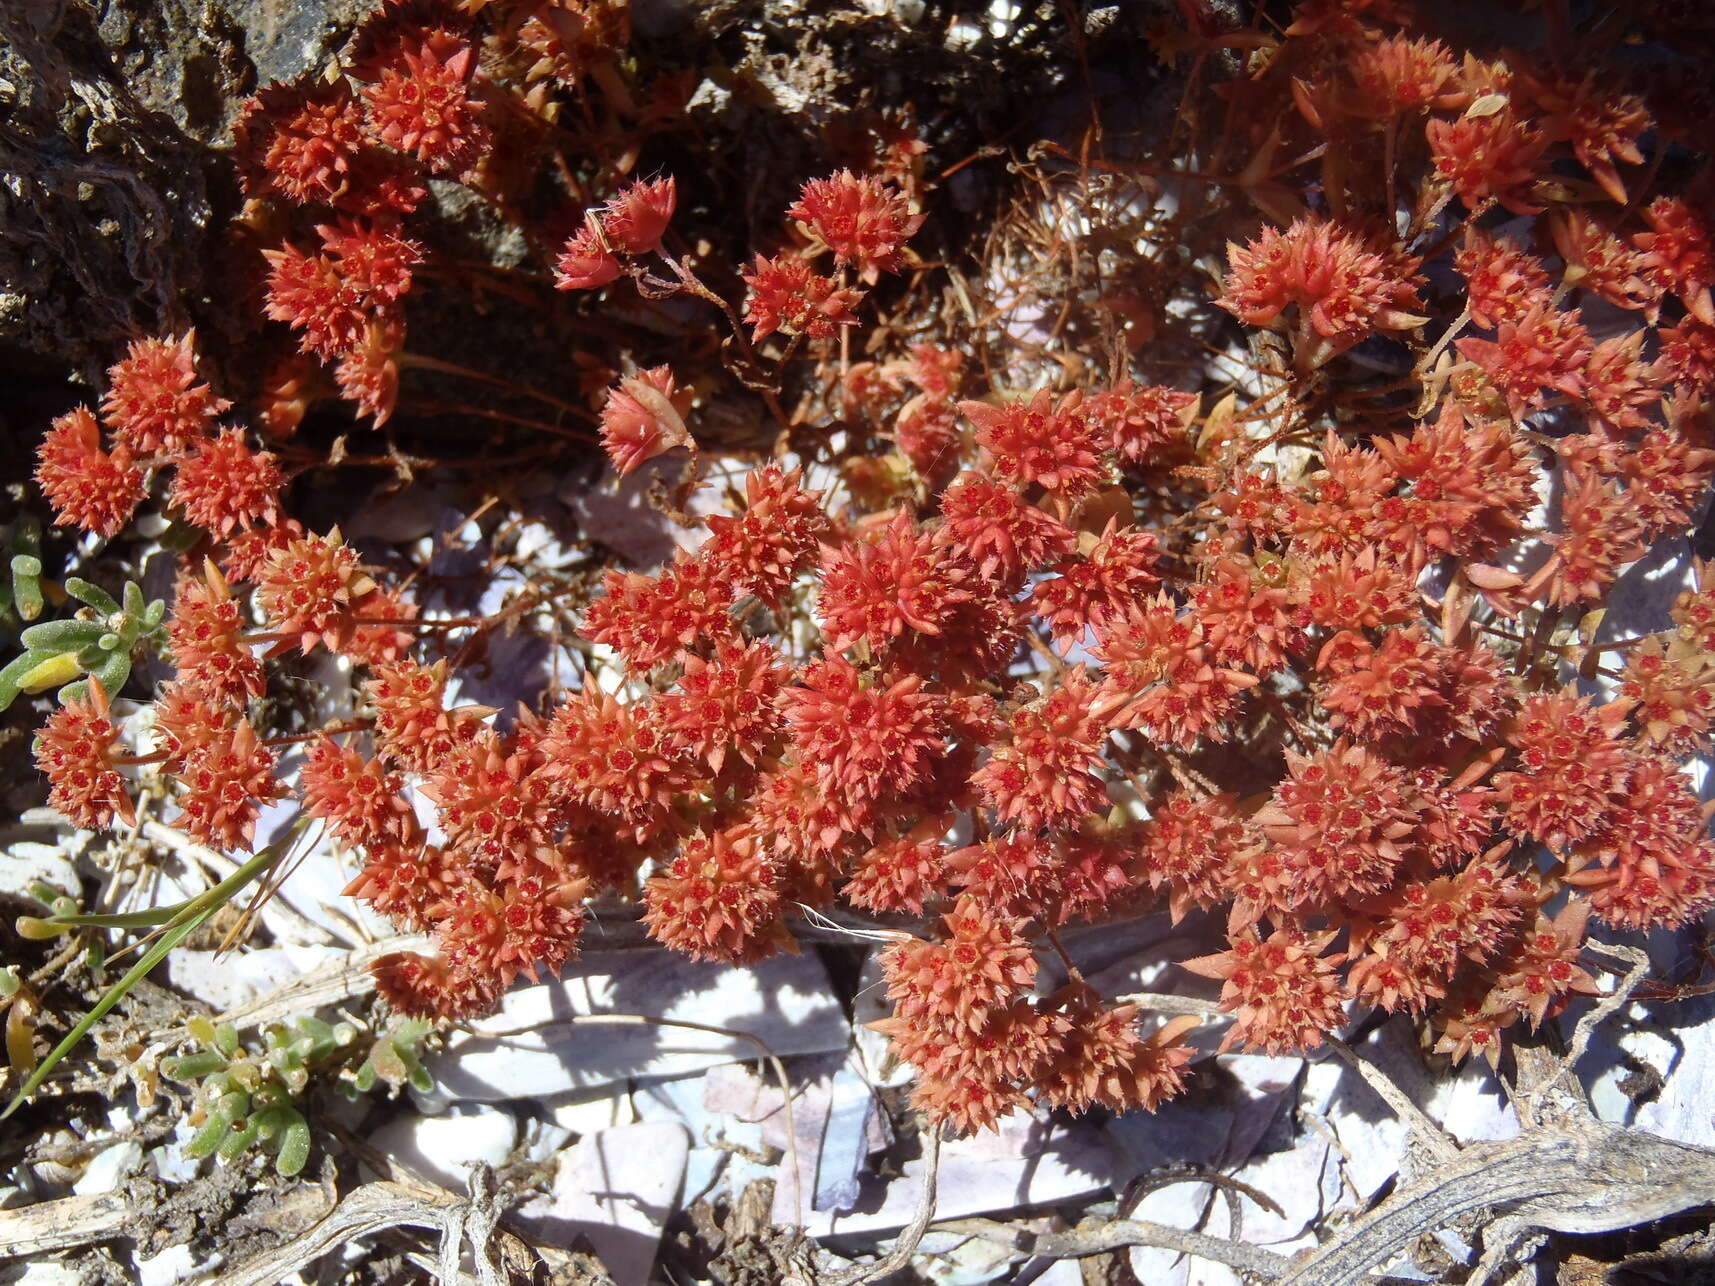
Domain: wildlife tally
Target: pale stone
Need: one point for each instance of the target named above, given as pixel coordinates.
(224, 980)
(714, 1135)
(974, 1262)
(174, 1265)
(616, 1187)
(1293, 1179)
(1685, 1107)
(1025, 1162)
(24, 861)
(41, 1272)
(737, 1094)
(1177, 1205)
(109, 1168)
(529, 1050)
(444, 1148)
(869, 1005)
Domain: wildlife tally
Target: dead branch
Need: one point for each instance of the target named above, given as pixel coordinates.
(1535, 1104)
(380, 1207)
(1093, 1236)
(908, 1240)
(63, 1224)
(1399, 1102)
(1591, 1177)
(1584, 1176)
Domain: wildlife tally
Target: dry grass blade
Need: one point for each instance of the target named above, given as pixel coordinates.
(63, 1224)
(331, 984)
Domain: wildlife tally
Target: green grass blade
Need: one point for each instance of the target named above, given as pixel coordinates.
(218, 895)
(149, 919)
(188, 917)
(117, 992)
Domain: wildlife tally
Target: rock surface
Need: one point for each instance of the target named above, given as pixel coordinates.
(112, 216)
(785, 1005)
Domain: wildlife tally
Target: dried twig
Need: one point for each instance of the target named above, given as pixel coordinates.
(1399, 1102)
(378, 1207)
(1535, 1104)
(1580, 1176)
(1094, 1236)
(1229, 1188)
(61, 1225)
(906, 1244)
(333, 983)
(512, 1249)
(1585, 1176)
(1166, 1002)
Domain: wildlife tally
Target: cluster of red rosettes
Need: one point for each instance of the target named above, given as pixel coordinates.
(301, 590)
(158, 415)
(1326, 665)
(629, 226)
(332, 167)
(335, 165)
(864, 221)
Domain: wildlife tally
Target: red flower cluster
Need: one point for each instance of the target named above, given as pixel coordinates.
(76, 750)
(862, 220)
(632, 224)
(88, 487)
(155, 402)
(787, 294)
(159, 414)
(421, 101)
(1326, 660)
(1345, 285)
(639, 420)
(206, 637)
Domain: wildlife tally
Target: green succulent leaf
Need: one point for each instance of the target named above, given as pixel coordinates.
(294, 1147)
(192, 1067)
(26, 567)
(112, 672)
(12, 675)
(180, 537)
(319, 1037)
(27, 595)
(234, 1144)
(207, 1139)
(69, 635)
(233, 1105)
(84, 592)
